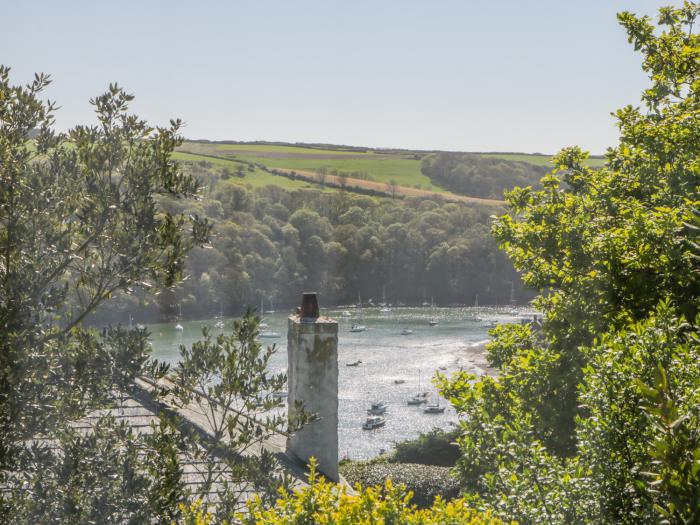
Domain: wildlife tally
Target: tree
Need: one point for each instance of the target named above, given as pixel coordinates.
(597, 411)
(83, 218)
(231, 374)
(393, 188)
(78, 223)
(322, 175)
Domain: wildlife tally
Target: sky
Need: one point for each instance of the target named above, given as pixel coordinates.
(463, 75)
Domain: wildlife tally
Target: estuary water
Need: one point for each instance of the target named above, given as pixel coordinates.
(387, 356)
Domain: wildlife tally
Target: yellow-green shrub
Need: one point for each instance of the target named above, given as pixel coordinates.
(326, 503)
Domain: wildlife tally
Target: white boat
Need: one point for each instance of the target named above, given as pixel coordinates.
(377, 408)
(140, 326)
(433, 408)
(346, 313)
(373, 422)
(418, 399)
(384, 308)
(434, 321)
(475, 312)
(358, 327)
(354, 363)
(178, 326)
(513, 310)
(406, 331)
(269, 334)
(220, 319)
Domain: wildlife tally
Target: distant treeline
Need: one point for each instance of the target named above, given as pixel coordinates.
(474, 175)
(271, 244)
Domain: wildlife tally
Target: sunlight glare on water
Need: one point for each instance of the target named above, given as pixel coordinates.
(386, 356)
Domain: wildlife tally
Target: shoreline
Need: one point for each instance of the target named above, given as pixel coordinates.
(475, 356)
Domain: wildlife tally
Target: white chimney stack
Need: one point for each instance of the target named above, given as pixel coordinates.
(312, 348)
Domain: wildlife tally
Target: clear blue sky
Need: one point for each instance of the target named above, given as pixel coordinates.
(466, 75)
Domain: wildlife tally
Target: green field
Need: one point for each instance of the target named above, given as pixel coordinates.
(255, 179)
(269, 148)
(381, 166)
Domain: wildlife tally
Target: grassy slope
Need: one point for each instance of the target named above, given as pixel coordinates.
(381, 166)
(255, 179)
(266, 148)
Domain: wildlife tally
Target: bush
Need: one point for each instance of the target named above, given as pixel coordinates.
(425, 481)
(323, 502)
(437, 447)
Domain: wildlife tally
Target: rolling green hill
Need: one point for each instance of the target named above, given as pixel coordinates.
(401, 166)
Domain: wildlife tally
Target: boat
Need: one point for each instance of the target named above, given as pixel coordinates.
(406, 331)
(418, 399)
(373, 422)
(354, 363)
(434, 321)
(358, 327)
(139, 326)
(377, 408)
(433, 408)
(262, 323)
(220, 318)
(178, 326)
(346, 313)
(512, 303)
(384, 308)
(399, 381)
(269, 334)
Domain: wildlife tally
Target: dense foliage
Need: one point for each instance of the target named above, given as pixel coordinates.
(593, 418)
(77, 224)
(269, 243)
(479, 176)
(325, 503)
(426, 482)
(437, 447)
(80, 222)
